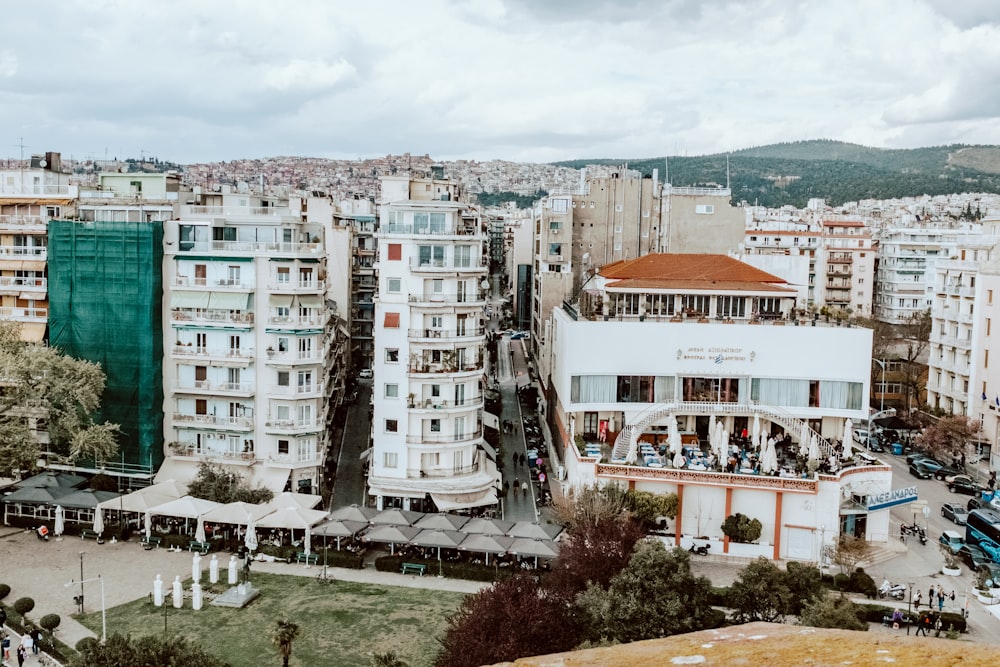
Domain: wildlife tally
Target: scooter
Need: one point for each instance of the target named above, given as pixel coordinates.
(701, 550)
(894, 591)
(915, 529)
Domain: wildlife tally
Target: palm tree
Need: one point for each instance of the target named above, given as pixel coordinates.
(387, 659)
(284, 633)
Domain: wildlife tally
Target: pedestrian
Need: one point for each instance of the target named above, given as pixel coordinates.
(22, 655)
(5, 644)
(923, 624)
(524, 489)
(36, 637)
(930, 597)
(506, 488)
(516, 485)
(916, 600)
(940, 598)
(27, 642)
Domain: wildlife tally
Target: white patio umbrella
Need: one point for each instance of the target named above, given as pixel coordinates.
(199, 532)
(676, 446)
(60, 526)
(769, 457)
(721, 450)
(679, 460)
(804, 439)
(755, 430)
(848, 430)
(99, 521)
(814, 448)
(250, 540)
(632, 455)
(307, 543)
(148, 525)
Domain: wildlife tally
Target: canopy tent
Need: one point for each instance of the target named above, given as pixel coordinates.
(290, 499)
(486, 544)
(177, 471)
(535, 531)
(37, 495)
(147, 498)
(442, 521)
(293, 518)
(185, 507)
(391, 535)
(353, 513)
(535, 548)
(394, 517)
(52, 479)
(340, 529)
(237, 513)
(257, 475)
(87, 498)
(481, 526)
(447, 539)
(457, 501)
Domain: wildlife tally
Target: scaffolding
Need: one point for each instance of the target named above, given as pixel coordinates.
(105, 293)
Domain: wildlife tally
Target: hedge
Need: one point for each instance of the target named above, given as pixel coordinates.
(459, 570)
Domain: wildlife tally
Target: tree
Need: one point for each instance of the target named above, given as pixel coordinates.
(805, 584)
(832, 612)
(741, 528)
(40, 383)
(387, 659)
(593, 555)
(949, 437)
(655, 595)
(148, 651)
(591, 505)
(215, 483)
(284, 634)
(647, 507)
(512, 619)
(850, 551)
(759, 593)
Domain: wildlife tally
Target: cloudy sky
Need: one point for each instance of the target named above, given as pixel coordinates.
(532, 80)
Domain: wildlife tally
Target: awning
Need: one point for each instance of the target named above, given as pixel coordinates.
(229, 301)
(310, 301)
(178, 471)
(391, 321)
(189, 300)
(32, 332)
(281, 300)
(271, 478)
(33, 265)
(31, 296)
(457, 501)
(367, 454)
(491, 420)
(488, 448)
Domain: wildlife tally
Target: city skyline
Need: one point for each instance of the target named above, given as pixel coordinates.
(507, 79)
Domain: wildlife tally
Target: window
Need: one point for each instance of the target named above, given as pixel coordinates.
(391, 425)
(393, 285)
(283, 275)
(283, 378)
(395, 252)
(390, 459)
(989, 297)
(555, 248)
(391, 321)
(988, 326)
(392, 391)
(463, 256)
(435, 390)
(560, 205)
(283, 344)
(554, 225)
(431, 255)
(282, 446)
(392, 356)
(435, 426)
(704, 209)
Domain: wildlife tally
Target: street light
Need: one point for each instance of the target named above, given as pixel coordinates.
(909, 618)
(104, 617)
(881, 406)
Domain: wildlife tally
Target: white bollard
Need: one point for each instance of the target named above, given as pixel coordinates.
(196, 568)
(213, 570)
(158, 591)
(196, 596)
(232, 571)
(178, 593)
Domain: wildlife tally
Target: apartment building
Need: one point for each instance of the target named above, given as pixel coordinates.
(845, 269)
(253, 346)
(29, 198)
(699, 220)
(428, 451)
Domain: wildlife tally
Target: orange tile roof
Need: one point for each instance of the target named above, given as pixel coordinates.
(681, 271)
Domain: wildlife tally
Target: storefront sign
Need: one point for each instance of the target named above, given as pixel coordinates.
(879, 501)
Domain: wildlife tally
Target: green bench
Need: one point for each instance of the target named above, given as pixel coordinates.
(89, 535)
(201, 547)
(308, 559)
(413, 568)
(151, 542)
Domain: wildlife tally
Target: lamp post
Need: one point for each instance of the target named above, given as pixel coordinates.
(104, 616)
(909, 604)
(881, 405)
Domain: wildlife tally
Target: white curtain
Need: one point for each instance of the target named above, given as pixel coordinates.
(779, 392)
(840, 395)
(594, 389)
(663, 388)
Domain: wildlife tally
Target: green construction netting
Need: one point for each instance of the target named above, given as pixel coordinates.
(105, 291)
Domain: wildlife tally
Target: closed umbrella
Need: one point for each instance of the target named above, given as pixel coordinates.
(99, 521)
(60, 522)
(199, 532)
(814, 448)
(250, 541)
(679, 460)
(148, 525)
(848, 438)
(804, 439)
(307, 544)
(675, 437)
(755, 431)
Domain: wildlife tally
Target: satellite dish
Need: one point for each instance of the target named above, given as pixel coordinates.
(485, 284)
(43, 163)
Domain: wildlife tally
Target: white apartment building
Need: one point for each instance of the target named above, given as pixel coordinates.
(429, 363)
(253, 347)
(906, 268)
(689, 337)
(961, 316)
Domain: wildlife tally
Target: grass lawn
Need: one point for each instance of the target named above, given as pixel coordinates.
(340, 623)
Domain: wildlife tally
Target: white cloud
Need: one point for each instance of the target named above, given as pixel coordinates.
(308, 75)
(8, 64)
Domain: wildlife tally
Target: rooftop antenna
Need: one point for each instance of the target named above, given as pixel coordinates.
(727, 171)
(21, 161)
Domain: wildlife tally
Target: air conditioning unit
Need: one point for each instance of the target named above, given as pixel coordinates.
(555, 231)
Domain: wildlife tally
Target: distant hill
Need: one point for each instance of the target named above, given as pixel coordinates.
(792, 173)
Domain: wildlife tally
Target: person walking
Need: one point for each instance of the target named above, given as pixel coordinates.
(22, 655)
(922, 625)
(5, 644)
(36, 637)
(27, 642)
(916, 600)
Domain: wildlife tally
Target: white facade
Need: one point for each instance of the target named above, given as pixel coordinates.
(429, 359)
(253, 350)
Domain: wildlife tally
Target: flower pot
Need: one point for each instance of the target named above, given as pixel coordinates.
(987, 597)
(951, 571)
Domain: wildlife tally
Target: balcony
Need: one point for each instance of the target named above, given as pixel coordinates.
(295, 357)
(292, 459)
(430, 335)
(432, 404)
(191, 450)
(213, 353)
(443, 266)
(840, 258)
(59, 191)
(310, 390)
(293, 321)
(214, 283)
(23, 252)
(24, 314)
(204, 386)
(437, 439)
(10, 283)
(294, 286)
(440, 298)
(197, 315)
(22, 224)
(244, 248)
(429, 230)
(430, 368)
(237, 423)
(291, 426)
(441, 473)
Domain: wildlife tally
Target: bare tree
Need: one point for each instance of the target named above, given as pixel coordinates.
(849, 551)
(949, 437)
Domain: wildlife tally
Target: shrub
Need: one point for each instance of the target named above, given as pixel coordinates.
(861, 582)
(50, 621)
(842, 582)
(741, 528)
(86, 644)
(23, 605)
(4, 591)
(719, 596)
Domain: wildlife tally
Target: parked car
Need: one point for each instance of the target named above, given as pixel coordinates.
(956, 512)
(964, 484)
(945, 473)
(992, 571)
(975, 502)
(518, 335)
(915, 456)
(861, 436)
(931, 464)
(952, 540)
(365, 374)
(918, 469)
(973, 556)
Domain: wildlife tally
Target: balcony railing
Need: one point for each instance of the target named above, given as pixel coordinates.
(211, 316)
(421, 367)
(439, 404)
(23, 313)
(205, 385)
(438, 473)
(21, 251)
(444, 439)
(40, 284)
(292, 424)
(417, 265)
(39, 190)
(213, 420)
(26, 223)
(467, 332)
(439, 230)
(291, 357)
(293, 458)
(192, 449)
(236, 211)
(297, 320)
(296, 285)
(440, 297)
(244, 247)
(229, 353)
(214, 283)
